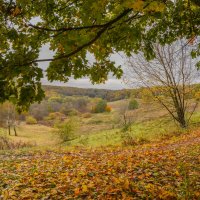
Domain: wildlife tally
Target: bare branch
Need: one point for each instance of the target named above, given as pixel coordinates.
(170, 73)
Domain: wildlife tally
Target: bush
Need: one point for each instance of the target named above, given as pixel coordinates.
(6, 144)
(130, 140)
(126, 128)
(147, 96)
(87, 115)
(80, 104)
(31, 120)
(73, 112)
(39, 111)
(108, 108)
(67, 130)
(100, 107)
(133, 104)
(55, 115)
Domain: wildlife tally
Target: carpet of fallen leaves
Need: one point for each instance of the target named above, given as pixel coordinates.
(164, 170)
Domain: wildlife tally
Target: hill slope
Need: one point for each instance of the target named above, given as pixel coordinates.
(164, 170)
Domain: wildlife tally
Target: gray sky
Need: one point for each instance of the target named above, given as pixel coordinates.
(112, 82)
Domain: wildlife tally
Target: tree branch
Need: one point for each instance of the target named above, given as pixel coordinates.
(98, 35)
(67, 29)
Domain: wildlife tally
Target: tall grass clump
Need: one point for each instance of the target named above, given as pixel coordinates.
(7, 144)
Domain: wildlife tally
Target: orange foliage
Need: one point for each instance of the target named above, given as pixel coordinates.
(108, 108)
(149, 171)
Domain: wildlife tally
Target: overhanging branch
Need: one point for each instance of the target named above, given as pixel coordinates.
(98, 35)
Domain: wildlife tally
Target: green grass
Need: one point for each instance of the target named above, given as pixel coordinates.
(150, 131)
(99, 132)
(153, 130)
(195, 119)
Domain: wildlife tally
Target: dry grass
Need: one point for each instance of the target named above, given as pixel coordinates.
(7, 144)
(36, 134)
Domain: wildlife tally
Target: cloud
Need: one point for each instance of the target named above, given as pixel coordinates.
(112, 83)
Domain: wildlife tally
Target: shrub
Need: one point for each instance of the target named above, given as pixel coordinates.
(133, 104)
(95, 121)
(100, 106)
(126, 128)
(69, 111)
(81, 103)
(146, 96)
(55, 115)
(67, 130)
(197, 96)
(39, 111)
(73, 112)
(87, 115)
(31, 120)
(130, 140)
(108, 108)
(6, 144)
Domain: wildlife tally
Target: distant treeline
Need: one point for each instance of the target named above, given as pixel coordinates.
(109, 95)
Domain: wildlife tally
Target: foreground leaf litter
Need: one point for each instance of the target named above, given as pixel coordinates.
(165, 170)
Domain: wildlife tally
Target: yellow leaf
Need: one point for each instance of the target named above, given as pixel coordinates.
(84, 188)
(60, 48)
(91, 185)
(77, 191)
(116, 180)
(5, 195)
(156, 7)
(138, 5)
(126, 184)
(177, 173)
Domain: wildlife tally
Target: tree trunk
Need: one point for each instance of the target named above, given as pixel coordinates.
(9, 129)
(181, 119)
(15, 130)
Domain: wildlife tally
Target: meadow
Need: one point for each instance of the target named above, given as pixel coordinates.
(147, 124)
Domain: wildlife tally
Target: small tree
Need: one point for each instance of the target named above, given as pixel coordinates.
(171, 72)
(126, 118)
(100, 106)
(8, 116)
(67, 130)
(133, 104)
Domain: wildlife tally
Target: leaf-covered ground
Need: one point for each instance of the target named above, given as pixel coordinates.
(166, 170)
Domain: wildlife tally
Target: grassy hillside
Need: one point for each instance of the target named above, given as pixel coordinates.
(98, 130)
(33, 135)
(148, 123)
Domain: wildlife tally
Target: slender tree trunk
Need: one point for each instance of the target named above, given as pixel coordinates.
(9, 129)
(182, 121)
(181, 118)
(125, 119)
(15, 130)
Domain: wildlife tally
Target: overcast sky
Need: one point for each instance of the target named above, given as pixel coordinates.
(112, 82)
